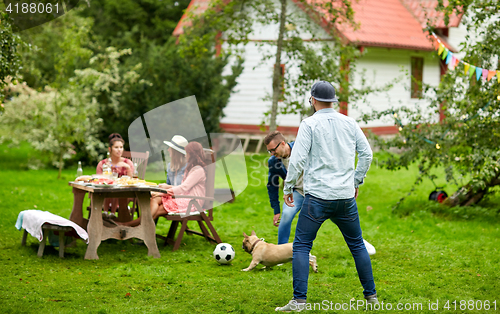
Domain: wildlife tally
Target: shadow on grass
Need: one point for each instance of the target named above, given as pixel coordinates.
(487, 210)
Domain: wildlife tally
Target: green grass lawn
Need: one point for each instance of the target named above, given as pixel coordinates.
(424, 253)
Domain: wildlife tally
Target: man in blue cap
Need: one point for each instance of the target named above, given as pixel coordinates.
(325, 150)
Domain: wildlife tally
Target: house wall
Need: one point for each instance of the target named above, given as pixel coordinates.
(456, 36)
(247, 105)
(381, 66)
(378, 67)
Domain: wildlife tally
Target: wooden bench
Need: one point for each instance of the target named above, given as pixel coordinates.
(46, 228)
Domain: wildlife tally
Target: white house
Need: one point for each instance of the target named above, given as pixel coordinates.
(391, 33)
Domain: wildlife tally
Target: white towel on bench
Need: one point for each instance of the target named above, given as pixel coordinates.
(32, 220)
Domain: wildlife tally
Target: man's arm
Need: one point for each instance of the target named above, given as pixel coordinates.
(300, 152)
(365, 156)
(273, 183)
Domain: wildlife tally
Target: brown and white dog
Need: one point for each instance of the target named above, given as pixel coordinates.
(269, 254)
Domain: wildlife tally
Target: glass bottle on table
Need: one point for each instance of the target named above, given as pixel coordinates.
(136, 171)
(79, 171)
(107, 166)
(105, 169)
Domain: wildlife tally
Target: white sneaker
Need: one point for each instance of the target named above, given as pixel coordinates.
(370, 248)
(372, 301)
(313, 263)
(292, 306)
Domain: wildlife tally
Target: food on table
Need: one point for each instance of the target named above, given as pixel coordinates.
(83, 179)
(102, 181)
(133, 181)
(123, 181)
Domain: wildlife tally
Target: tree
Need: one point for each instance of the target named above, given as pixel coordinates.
(277, 79)
(55, 119)
(10, 59)
(172, 74)
(466, 142)
(146, 28)
(56, 49)
(173, 70)
(126, 23)
(337, 54)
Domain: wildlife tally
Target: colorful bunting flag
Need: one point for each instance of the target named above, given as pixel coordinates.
(445, 53)
(448, 58)
(491, 74)
(453, 62)
(472, 70)
(466, 67)
(469, 69)
(441, 49)
(485, 74)
(479, 72)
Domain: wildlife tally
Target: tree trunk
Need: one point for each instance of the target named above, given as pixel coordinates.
(345, 65)
(277, 78)
(465, 196)
(60, 165)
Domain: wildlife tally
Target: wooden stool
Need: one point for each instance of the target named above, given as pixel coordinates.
(46, 227)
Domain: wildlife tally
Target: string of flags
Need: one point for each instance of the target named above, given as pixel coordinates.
(469, 69)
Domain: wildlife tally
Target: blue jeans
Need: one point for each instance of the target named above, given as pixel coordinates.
(344, 213)
(287, 216)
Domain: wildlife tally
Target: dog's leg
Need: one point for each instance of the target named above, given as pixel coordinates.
(252, 265)
(313, 263)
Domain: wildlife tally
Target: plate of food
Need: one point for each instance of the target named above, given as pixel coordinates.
(103, 182)
(127, 181)
(83, 179)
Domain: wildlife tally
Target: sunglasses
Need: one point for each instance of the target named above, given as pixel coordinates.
(272, 151)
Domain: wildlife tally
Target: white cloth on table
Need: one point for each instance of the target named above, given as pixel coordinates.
(32, 221)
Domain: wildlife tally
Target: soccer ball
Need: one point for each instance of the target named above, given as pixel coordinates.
(224, 253)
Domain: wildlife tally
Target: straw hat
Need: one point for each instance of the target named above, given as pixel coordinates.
(178, 143)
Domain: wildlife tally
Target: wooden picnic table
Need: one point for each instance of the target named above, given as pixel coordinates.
(97, 232)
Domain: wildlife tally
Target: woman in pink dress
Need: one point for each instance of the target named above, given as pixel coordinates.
(120, 165)
(193, 183)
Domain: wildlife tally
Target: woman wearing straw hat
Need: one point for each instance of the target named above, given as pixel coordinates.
(177, 164)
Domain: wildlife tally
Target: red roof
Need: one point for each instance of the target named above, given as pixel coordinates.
(382, 23)
(195, 7)
(424, 10)
(385, 23)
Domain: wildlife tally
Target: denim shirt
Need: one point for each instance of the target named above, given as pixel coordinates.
(172, 178)
(325, 149)
(276, 171)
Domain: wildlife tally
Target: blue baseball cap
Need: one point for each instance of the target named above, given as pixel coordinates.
(323, 91)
